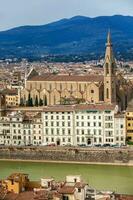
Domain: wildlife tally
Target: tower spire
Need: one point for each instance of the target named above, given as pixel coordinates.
(109, 73)
(109, 38)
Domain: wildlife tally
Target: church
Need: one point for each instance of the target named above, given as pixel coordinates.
(50, 89)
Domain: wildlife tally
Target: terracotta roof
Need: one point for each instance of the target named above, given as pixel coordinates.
(67, 189)
(72, 78)
(80, 185)
(68, 108)
(10, 92)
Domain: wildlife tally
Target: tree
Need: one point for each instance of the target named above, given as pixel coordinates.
(40, 102)
(45, 100)
(30, 101)
(36, 101)
(21, 102)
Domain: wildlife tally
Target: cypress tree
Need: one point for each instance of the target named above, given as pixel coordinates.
(29, 100)
(36, 101)
(45, 100)
(40, 102)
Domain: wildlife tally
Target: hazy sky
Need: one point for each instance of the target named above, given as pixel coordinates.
(34, 12)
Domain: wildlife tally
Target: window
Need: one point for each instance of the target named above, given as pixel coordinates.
(68, 117)
(92, 91)
(46, 131)
(100, 132)
(58, 131)
(69, 124)
(69, 139)
(82, 124)
(77, 131)
(99, 123)
(52, 131)
(69, 131)
(63, 131)
(79, 189)
(107, 68)
(107, 93)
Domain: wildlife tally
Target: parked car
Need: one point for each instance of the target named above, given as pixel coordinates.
(97, 145)
(106, 145)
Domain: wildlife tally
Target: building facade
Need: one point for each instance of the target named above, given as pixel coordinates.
(49, 89)
(76, 125)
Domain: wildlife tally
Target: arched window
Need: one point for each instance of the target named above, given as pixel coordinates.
(113, 66)
(107, 93)
(107, 68)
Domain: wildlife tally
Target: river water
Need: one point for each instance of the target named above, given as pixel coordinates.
(114, 178)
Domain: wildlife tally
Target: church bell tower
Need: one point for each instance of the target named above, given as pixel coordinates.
(109, 73)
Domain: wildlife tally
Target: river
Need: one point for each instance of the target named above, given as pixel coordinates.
(115, 178)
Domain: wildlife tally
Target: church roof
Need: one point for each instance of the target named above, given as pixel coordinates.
(79, 107)
(72, 78)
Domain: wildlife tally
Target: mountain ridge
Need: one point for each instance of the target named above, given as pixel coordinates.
(76, 35)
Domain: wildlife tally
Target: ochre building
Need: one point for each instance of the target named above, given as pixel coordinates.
(51, 89)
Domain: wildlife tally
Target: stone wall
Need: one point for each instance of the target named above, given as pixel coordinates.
(68, 154)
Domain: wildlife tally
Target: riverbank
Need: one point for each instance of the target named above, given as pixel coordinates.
(100, 156)
(69, 162)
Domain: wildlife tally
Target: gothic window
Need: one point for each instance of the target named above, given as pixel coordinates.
(107, 93)
(79, 87)
(107, 68)
(71, 88)
(54, 100)
(85, 87)
(113, 68)
(60, 86)
(50, 87)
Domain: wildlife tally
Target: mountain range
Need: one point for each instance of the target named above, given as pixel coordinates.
(78, 35)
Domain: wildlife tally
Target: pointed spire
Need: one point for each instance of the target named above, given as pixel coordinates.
(109, 50)
(109, 43)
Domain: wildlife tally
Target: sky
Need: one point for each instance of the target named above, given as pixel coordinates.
(15, 13)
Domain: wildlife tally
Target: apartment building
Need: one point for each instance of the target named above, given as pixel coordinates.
(74, 125)
(82, 125)
(19, 129)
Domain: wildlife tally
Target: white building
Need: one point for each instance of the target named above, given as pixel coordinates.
(120, 129)
(76, 125)
(81, 125)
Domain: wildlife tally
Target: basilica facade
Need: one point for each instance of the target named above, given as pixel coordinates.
(49, 89)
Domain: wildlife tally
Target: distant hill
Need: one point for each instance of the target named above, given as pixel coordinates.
(77, 35)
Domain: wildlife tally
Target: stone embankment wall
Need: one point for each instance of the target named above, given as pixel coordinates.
(68, 154)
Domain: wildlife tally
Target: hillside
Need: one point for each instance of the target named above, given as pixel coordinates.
(77, 35)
